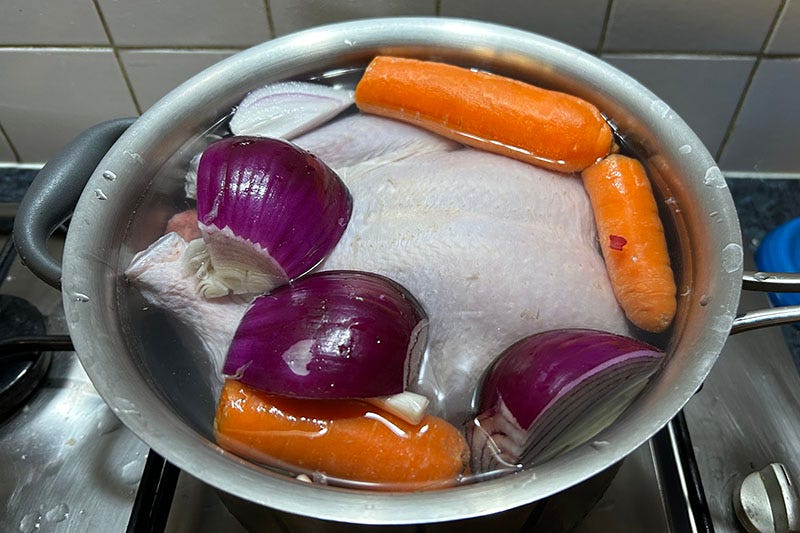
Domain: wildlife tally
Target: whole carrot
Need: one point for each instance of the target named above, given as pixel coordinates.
(632, 240)
(347, 439)
(546, 128)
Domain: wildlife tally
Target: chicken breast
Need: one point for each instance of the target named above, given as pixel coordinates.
(495, 250)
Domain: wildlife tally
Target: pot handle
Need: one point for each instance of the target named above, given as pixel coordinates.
(54, 193)
(768, 282)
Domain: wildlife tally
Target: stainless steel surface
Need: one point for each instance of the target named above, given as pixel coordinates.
(770, 281)
(634, 501)
(138, 383)
(767, 501)
(746, 416)
(765, 317)
(66, 462)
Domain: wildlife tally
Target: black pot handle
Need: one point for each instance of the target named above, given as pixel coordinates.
(55, 191)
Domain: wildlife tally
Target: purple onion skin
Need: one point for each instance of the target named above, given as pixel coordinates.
(537, 369)
(367, 331)
(276, 195)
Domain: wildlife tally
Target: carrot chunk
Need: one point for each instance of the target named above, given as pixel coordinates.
(546, 128)
(632, 240)
(346, 439)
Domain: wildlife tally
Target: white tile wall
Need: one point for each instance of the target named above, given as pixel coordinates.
(5, 150)
(50, 22)
(186, 22)
(293, 15)
(703, 90)
(65, 65)
(690, 25)
(576, 22)
(55, 94)
(153, 73)
(786, 39)
(766, 136)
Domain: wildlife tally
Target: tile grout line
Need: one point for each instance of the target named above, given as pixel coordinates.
(604, 30)
(13, 148)
(115, 51)
(270, 21)
(749, 82)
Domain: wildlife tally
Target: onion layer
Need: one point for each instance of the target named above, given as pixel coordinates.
(288, 109)
(552, 391)
(268, 212)
(334, 334)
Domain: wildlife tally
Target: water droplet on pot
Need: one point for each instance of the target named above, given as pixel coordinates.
(704, 300)
(600, 444)
(58, 513)
(110, 176)
(685, 149)
(80, 297)
(100, 195)
(135, 156)
(131, 472)
(30, 523)
(732, 257)
(761, 276)
(108, 424)
(673, 204)
(660, 107)
(714, 178)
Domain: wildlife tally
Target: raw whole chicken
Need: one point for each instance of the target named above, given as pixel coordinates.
(495, 249)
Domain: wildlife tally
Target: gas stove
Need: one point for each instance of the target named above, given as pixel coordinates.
(68, 464)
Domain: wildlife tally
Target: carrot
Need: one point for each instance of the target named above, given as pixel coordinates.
(346, 439)
(632, 240)
(545, 128)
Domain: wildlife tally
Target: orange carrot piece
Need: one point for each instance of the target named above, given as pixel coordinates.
(632, 240)
(546, 128)
(345, 439)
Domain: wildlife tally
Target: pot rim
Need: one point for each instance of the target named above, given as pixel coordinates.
(90, 277)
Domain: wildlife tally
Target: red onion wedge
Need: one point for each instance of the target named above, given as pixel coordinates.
(287, 109)
(268, 212)
(333, 334)
(552, 391)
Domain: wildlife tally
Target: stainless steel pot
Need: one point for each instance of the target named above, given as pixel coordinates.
(155, 386)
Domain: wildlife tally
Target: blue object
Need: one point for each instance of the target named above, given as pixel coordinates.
(780, 252)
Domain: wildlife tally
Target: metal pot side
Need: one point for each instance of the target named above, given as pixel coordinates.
(156, 395)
